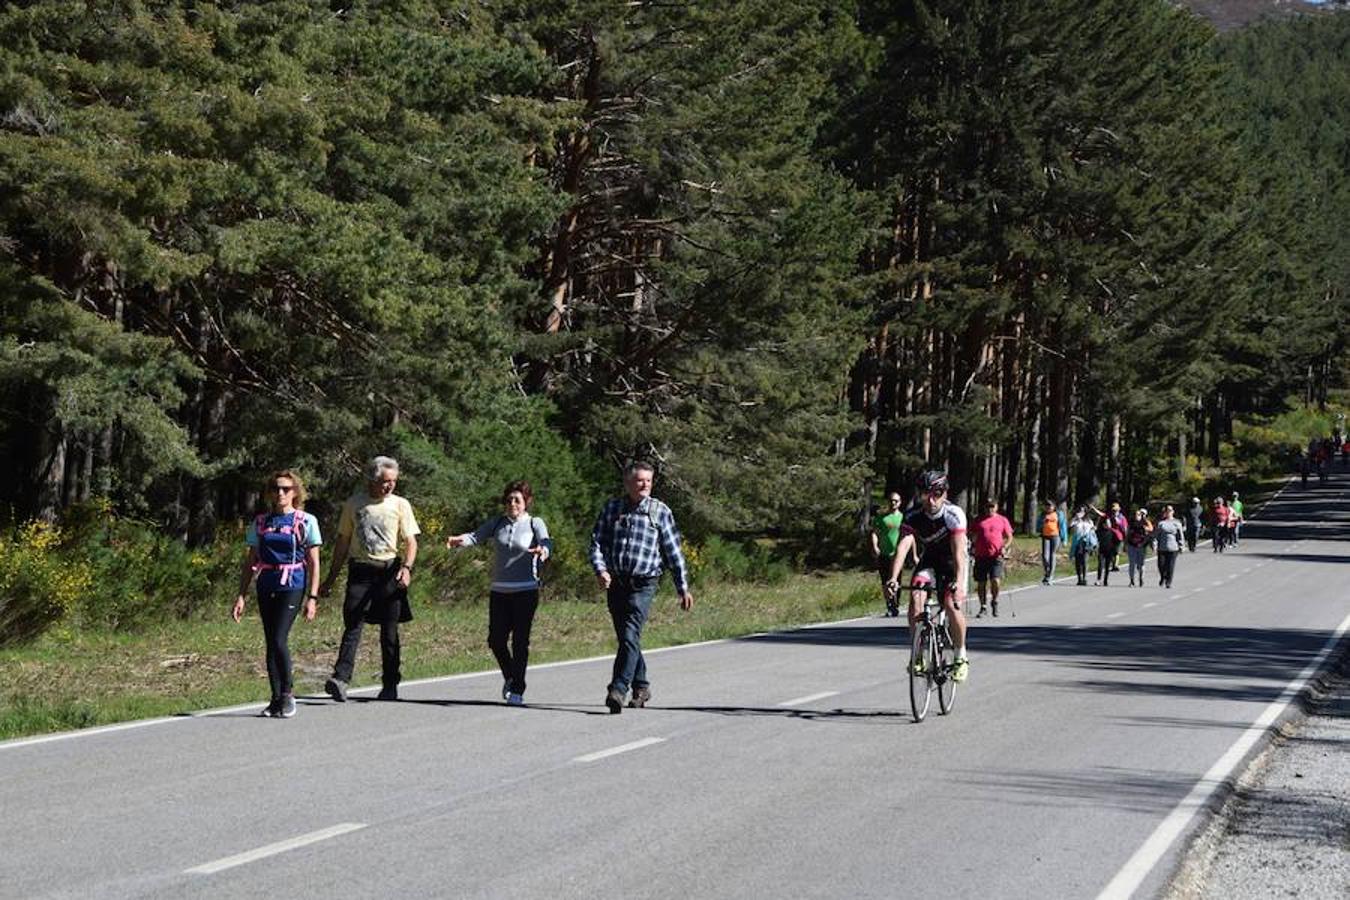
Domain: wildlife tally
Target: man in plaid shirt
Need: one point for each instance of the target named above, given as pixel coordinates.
(634, 538)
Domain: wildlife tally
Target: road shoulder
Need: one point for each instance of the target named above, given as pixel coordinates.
(1285, 828)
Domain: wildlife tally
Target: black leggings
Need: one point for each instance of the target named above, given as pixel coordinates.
(1106, 557)
(510, 617)
(278, 610)
(1167, 566)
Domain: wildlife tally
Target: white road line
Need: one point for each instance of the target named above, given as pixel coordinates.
(1155, 603)
(1115, 615)
(1137, 868)
(1218, 583)
(303, 840)
(615, 751)
(809, 698)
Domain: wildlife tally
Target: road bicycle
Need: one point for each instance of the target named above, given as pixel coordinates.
(932, 647)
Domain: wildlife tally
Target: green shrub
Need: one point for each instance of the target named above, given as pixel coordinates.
(39, 583)
(719, 559)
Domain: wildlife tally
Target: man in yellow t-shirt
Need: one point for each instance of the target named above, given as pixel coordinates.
(370, 529)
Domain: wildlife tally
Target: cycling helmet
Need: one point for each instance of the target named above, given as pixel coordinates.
(932, 481)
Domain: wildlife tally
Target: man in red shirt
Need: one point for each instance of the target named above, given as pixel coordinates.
(992, 534)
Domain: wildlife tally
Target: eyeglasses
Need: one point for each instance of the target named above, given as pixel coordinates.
(283, 488)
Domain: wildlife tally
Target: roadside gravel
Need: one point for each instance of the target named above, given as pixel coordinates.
(1285, 831)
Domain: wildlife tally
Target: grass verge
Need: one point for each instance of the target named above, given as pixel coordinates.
(79, 680)
(67, 681)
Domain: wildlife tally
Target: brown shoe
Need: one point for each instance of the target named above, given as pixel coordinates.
(640, 697)
(614, 700)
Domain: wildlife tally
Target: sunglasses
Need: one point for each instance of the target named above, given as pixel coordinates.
(283, 488)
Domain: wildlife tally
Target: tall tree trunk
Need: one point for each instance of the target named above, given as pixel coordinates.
(53, 445)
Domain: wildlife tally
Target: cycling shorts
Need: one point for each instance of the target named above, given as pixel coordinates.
(927, 577)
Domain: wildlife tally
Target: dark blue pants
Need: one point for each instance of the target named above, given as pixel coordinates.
(278, 610)
(630, 598)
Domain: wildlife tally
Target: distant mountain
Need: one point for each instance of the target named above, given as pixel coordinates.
(1226, 14)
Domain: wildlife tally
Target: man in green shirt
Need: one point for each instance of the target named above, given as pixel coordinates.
(1236, 506)
(885, 539)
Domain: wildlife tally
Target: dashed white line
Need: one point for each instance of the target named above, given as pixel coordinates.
(622, 748)
(1155, 603)
(1218, 583)
(303, 840)
(1115, 615)
(809, 698)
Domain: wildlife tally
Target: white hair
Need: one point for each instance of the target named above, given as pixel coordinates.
(638, 466)
(379, 465)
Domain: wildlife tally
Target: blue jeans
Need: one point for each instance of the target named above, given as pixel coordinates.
(1049, 546)
(629, 599)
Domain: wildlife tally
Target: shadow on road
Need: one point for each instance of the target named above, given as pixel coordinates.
(1243, 663)
(809, 715)
(495, 704)
(1136, 790)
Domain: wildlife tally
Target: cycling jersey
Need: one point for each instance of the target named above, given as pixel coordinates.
(933, 535)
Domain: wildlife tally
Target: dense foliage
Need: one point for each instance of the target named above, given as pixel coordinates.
(786, 249)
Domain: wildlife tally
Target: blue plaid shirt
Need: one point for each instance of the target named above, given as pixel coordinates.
(636, 540)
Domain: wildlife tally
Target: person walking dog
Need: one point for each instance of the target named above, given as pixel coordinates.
(633, 541)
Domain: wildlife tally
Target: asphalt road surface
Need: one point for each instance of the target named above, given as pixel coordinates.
(1092, 731)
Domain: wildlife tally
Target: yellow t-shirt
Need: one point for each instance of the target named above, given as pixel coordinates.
(376, 527)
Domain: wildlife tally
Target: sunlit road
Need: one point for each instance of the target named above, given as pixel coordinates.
(784, 765)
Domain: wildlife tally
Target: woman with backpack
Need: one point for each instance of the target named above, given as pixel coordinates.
(520, 542)
(1110, 534)
(1083, 540)
(283, 554)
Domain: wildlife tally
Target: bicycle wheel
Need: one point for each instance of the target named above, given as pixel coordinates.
(921, 685)
(946, 661)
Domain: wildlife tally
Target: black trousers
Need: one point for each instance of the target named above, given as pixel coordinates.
(510, 618)
(373, 595)
(278, 610)
(1106, 558)
(1167, 566)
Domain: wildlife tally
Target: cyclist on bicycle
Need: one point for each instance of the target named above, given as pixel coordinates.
(938, 530)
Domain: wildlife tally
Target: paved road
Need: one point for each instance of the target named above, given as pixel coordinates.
(1087, 720)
